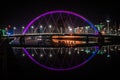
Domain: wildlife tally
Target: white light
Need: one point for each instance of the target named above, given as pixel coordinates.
(82, 49)
(104, 28)
(23, 27)
(50, 55)
(33, 55)
(70, 29)
(32, 27)
(41, 55)
(50, 26)
(107, 21)
(23, 54)
(108, 55)
(105, 50)
(86, 27)
(14, 28)
(69, 52)
(41, 26)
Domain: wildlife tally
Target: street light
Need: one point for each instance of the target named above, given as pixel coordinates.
(40, 29)
(32, 28)
(108, 25)
(23, 27)
(41, 26)
(14, 28)
(70, 29)
(50, 26)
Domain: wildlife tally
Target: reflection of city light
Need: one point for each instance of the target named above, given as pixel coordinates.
(66, 37)
(87, 51)
(50, 55)
(82, 49)
(112, 49)
(67, 40)
(51, 14)
(69, 52)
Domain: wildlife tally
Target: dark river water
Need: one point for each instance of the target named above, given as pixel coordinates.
(61, 62)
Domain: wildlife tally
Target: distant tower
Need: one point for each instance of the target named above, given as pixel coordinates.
(108, 25)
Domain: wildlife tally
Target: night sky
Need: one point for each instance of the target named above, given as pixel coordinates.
(19, 13)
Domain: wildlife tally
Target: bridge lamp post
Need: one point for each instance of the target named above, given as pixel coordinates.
(50, 26)
(32, 28)
(108, 25)
(86, 29)
(70, 29)
(41, 28)
(22, 28)
(14, 28)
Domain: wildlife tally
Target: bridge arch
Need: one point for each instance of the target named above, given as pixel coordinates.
(65, 12)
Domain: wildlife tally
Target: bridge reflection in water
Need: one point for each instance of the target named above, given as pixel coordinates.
(58, 58)
(61, 54)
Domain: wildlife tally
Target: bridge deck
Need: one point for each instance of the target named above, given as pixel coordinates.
(60, 34)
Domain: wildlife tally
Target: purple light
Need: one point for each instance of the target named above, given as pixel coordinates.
(62, 69)
(59, 11)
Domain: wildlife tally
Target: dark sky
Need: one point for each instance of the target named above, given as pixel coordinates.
(18, 13)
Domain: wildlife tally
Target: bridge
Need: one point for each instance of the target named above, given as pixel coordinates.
(51, 31)
(34, 39)
(61, 34)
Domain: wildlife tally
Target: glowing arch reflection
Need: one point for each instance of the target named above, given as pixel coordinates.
(67, 12)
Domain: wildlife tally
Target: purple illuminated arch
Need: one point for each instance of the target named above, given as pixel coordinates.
(53, 12)
(61, 69)
(60, 11)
